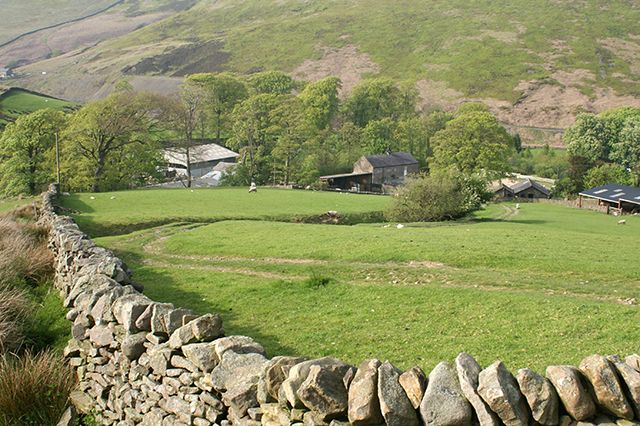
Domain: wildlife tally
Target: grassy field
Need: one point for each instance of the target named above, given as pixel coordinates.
(118, 212)
(533, 286)
(16, 102)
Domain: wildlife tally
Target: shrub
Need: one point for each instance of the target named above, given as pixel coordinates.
(34, 388)
(24, 256)
(14, 309)
(443, 196)
(607, 173)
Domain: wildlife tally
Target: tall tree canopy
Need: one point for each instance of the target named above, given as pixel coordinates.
(103, 128)
(473, 142)
(26, 152)
(271, 82)
(321, 102)
(222, 92)
(379, 98)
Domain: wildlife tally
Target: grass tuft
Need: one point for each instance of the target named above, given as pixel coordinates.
(34, 388)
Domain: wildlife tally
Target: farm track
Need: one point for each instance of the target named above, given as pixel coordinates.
(413, 273)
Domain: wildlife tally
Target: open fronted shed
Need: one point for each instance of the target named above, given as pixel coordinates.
(613, 195)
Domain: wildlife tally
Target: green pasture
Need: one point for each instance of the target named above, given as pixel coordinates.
(117, 212)
(534, 286)
(16, 102)
(7, 204)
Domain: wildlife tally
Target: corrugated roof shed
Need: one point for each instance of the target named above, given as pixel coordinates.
(613, 193)
(392, 159)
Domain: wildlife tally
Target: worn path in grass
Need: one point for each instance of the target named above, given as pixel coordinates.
(540, 285)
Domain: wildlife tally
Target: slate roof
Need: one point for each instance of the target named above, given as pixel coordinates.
(392, 159)
(522, 186)
(613, 193)
(198, 154)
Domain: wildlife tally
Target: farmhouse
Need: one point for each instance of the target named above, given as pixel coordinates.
(625, 198)
(520, 189)
(371, 173)
(204, 157)
(6, 73)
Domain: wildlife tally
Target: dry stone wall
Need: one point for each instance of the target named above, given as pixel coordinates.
(143, 362)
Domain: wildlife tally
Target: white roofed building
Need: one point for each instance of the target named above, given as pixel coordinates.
(204, 158)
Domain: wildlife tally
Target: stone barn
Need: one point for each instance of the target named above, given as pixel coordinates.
(526, 189)
(373, 172)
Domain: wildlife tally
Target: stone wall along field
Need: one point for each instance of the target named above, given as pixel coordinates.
(143, 362)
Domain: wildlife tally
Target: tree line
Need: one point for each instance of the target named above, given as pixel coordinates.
(285, 131)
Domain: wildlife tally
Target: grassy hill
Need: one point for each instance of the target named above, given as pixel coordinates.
(534, 286)
(537, 63)
(15, 102)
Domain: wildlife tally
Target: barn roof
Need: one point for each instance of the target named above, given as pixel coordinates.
(391, 159)
(522, 186)
(613, 193)
(343, 175)
(198, 154)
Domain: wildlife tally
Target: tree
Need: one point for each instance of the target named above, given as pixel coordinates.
(102, 128)
(290, 130)
(626, 151)
(251, 133)
(378, 136)
(589, 138)
(25, 148)
(321, 102)
(607, 173)
(271, 82)
(183, 114)
(376, 99)
(222, 93)
(472, 142)
(438, 196)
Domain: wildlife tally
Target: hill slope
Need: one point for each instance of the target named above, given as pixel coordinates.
(537, 63)
(15, 102)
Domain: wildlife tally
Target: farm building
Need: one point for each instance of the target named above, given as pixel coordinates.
(371, 173)
(614, 196)
(203, 157)
(526, 189)
(6, 73)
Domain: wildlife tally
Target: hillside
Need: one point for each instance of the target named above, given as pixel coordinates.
(15, 102)
(536, 63)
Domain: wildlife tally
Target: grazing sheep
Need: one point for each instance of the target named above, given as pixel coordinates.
(622, 222)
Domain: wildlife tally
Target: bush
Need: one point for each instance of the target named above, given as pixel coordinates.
(34, 388)
(607, 173)
(436, 197)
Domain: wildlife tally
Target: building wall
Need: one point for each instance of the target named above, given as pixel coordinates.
(362, 166)
(393, 175)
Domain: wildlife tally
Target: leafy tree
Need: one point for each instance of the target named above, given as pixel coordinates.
(472, 142)
(271, 82)
(183, 114)
(378, 136)
(376, 99)
(607, 173)
(588, 138)
(25, 152)
(222, 93)
(626, 151)
(291, 130)
(413, 134)
(105, 127)
(321, 102)
(438, 196)
(252, 133)
(471, 107)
